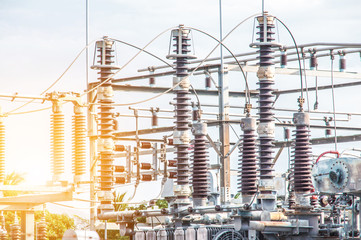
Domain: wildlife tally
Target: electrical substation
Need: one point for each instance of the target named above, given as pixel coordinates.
(217, 188)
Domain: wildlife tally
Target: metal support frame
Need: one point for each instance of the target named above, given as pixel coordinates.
(223, 93)
(92, 131)
(27, 225)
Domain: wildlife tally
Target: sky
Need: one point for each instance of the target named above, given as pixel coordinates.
(39, 39)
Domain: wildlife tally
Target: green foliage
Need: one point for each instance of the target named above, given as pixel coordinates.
(9, 219)
(161, 203)
(112, 235)
(57, 225)
(119, 197)
(140, 207)
(13, 178)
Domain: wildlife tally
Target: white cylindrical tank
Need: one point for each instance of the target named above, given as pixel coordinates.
(71, 234)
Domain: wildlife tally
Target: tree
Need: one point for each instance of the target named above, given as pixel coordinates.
(119, 197)
(13, 178)
(161, 203)
(57, 224)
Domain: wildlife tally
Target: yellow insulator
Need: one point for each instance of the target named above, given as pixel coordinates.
(57, 145)
(2, 151)
(41, 229)
(3, 232)
(15, 229)
(79, 143)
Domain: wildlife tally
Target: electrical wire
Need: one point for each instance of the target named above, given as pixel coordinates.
(298, 53)
(135, 190)
(195, 93)
(151, 54)
(126, 64)
(333, 99)
(238, 63)
(234, 131)
(26, 112)
(185, 78)
(304, 71)
(315, 106)
(55, 82)
(63, 205)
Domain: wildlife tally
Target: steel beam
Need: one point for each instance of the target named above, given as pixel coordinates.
(201, 92)
(325, 140)
(296, 71)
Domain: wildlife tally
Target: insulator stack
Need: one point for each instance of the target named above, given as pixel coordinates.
(154, 116)
(200, 165)
(196, 113)
(342, 62)
(151, 81)
(106, 123)
(301, 163)
(41, 229)
(247, 165)
(145, 166)
(119, 148)
(3, 232)
(119, 169)
(287, 133)
(57, 142)
(15, 229)
(182, 112)
(120, 180)
(328, 132)
(172, 175)
(266, 127)
(291, 199)
(79, 143)
(172, 163)
(145, 145)
(147, 177)
(2, 150)
(208, 82)
(283, 59)
(314, 201)
(313, 61)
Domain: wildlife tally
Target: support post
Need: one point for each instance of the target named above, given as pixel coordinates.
(27, 225)
(92, 155)
(223, 93)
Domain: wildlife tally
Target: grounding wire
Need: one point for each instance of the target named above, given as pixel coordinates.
(238, 63)
(195, 93)
(234, 131)
(185, 78)
(305, 75)
(315, 106)
(56, 81)
(147, 52)
(26, 112)
(126, 64)
(333, 99)
(298, 53)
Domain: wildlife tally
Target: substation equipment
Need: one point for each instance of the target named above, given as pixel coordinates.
(322, 200)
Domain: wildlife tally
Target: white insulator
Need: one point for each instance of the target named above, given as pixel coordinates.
(41, 229)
